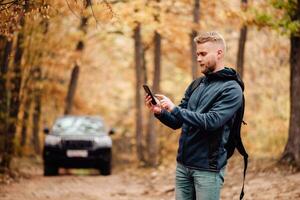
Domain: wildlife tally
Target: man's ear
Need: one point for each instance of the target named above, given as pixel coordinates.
(220, 53)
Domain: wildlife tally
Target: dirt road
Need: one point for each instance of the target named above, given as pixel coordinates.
(130, 184)
(117, 186)
(148, 184)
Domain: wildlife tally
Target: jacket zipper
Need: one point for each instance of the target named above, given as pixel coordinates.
(184, 140)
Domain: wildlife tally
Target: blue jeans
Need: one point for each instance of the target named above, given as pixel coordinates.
(194, 184)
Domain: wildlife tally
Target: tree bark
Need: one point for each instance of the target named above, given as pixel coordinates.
(25, 119)
(196, 17)
(72, 90)
(75, 72)
(19, 46)
(242, 44)
(37, 111)
(138, 100)
(152, 131)
(14, 104)
(34, 94)
(291, 154)
(5, 46)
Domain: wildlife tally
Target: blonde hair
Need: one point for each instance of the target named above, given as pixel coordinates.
(211, 36)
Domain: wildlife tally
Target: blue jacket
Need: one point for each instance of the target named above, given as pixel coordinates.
(206, 117)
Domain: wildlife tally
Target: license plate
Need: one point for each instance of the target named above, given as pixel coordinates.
(77, 153)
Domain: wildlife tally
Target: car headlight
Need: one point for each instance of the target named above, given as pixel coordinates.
(103, 141)
(52, 140)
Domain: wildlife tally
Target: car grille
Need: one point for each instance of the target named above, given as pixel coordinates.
(77, 144)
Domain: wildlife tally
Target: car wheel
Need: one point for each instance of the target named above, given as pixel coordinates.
(105, 169)
(50, 170)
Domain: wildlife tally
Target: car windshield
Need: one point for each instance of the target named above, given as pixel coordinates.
(79, 125)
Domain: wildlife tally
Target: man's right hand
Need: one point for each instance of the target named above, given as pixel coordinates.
(153, 108)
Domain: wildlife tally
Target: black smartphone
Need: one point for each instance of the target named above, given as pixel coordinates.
(148, 91)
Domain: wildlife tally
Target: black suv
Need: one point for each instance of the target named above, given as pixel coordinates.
(77, 142)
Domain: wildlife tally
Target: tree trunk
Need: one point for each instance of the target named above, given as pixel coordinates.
(72, 90)
(242, 44)
(291, 154)
(25, 120)
(37, 111)
(75, 73)
(13, 113)
(37, 97)
(33, 94)
(144, 79)
(19, 47)
(14, 107)
(16, 81)
(241, 50)
(138, 100)
(196, 17)
(152, 132)
(5, 47)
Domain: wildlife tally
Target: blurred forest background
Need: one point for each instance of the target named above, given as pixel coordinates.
(90, 57)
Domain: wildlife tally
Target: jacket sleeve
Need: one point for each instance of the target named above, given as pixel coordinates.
(171, 120)
(221, 111)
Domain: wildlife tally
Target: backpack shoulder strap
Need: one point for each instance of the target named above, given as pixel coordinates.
(238, 141)
(195, 84)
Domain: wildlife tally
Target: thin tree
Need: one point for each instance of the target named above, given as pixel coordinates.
(196, 18)
(32, 86)
(37, 98)
(25, 120)
(75, 71)
(5, 46)
(37, 93)
(15, 92)
(72, 89)
(291, 154)
(138, 55)
(242, 43)
(152, 146)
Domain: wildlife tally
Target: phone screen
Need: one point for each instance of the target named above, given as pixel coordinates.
(148, 91)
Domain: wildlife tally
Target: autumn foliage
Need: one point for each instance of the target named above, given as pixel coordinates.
(42, 41)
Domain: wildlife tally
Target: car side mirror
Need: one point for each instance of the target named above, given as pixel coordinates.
(111, 131)
(46, 131)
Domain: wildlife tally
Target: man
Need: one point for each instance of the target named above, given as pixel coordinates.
(206, 114)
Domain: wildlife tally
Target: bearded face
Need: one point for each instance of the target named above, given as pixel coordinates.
(208, 56)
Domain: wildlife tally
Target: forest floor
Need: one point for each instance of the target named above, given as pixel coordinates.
(264, 181)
